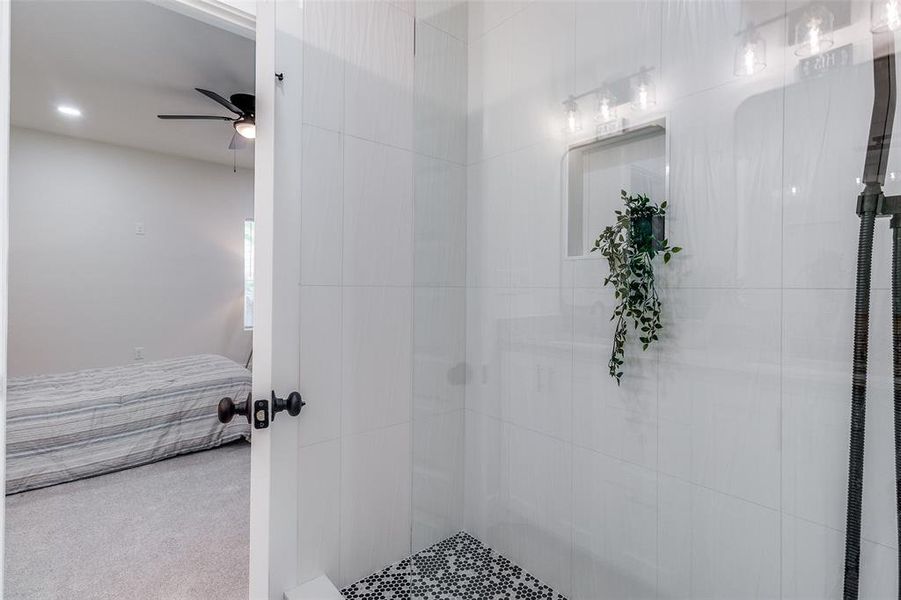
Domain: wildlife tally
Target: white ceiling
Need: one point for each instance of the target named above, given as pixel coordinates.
(122, 63)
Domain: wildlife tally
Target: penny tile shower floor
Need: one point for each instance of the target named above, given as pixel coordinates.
(458, 568)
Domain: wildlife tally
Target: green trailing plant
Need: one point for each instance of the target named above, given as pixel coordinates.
(629, 245)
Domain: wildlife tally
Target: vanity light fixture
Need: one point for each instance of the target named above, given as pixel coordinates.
(813, 33)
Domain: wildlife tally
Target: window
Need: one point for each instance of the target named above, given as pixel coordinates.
(248, 274)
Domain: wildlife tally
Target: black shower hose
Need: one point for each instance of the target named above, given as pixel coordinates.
(858, 401)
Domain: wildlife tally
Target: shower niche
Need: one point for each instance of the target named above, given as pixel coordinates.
(634, 160)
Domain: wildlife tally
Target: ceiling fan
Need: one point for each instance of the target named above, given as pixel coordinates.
(242, 105)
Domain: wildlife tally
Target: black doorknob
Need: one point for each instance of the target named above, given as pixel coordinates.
(292, 404)
(228, 409)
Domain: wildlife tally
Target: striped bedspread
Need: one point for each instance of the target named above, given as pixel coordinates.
(72, 425)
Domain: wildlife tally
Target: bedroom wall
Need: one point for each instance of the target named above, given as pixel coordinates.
(86, 290)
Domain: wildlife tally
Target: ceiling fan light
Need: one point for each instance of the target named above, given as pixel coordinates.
(246, 128)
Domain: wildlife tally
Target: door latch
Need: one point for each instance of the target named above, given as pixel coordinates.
(258, 411)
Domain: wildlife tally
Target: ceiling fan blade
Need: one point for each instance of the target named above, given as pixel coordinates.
(238, 142)
(217, 98)
(195, 117)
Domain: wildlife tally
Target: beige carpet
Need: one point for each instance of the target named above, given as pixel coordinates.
(172, 530)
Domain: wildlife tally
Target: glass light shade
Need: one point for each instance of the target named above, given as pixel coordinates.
(813, 33)
(606, 108)
(750, 55)
(885, 15)
(644, 92)
(572, 116)
(246, 128)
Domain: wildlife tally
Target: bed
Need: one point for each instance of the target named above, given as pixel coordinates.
(69, 426)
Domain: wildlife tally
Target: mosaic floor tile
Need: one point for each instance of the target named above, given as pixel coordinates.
(458, 568)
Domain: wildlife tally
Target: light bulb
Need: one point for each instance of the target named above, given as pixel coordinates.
(69, 111)
(813, 33)
(246, 128)
(606, 108)
(573, 117)
(750, 56)
(749, 60)
(644, 93)
(885, 15)
(892, 15)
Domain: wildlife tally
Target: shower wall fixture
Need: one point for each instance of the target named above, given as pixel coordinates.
(872, 204)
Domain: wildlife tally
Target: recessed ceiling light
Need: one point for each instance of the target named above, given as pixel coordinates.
(69, 111)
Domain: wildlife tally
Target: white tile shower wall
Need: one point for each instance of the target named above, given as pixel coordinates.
(382, 329)
(717, 469)
(439, 270)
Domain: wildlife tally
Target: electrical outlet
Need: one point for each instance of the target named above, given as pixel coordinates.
(139, 352)
(139, 229)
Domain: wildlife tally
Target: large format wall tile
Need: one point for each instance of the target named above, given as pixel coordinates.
(536, 216)
(816, 383)
(536, 531)
(439, 227)
(824, 159)
(540, 359)
(715, 546)
(320, 362)
(489, 244)
(605, 46)
(439, 349)
(614, 528)
(378, 214)
(438, 440)
(541, 70)
(450, 16)
(489, 79)
(699, 41)
(813, 559)
(376, 358)
(323, 63)
(618, 420)
(322, 202)
(485, 479)
(725, 188)
(487, 349)
(318, 510)
(375, 500)
(439, 95)
(719, 385)
(378, 76)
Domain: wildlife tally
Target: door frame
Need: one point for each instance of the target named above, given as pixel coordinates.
(5, 27)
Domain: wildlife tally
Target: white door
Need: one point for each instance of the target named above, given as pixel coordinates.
(274, 485)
